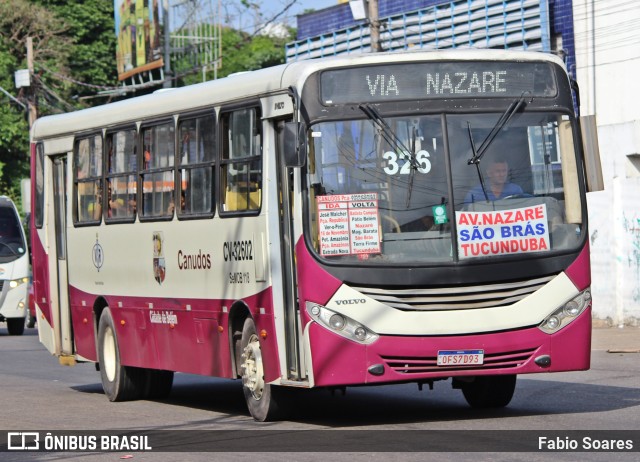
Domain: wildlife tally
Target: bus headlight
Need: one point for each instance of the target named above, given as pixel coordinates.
(341, 324)
(337, 322)
(16, 282)
(566, 313)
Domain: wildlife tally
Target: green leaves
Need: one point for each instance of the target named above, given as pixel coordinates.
(74, 57)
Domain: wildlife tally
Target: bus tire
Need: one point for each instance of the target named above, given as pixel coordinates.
(120, 383)
(158, 384)
(258, 394)
(15, 326)
(489, 391)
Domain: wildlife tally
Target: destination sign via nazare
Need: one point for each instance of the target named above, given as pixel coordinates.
(395, 82)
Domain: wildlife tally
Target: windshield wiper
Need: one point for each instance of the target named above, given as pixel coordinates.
(476, 160)
(388, 134)
(394, 140)
(504, 119)
(412, 173)
(13, 252)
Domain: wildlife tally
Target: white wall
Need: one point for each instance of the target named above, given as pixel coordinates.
(607, 39)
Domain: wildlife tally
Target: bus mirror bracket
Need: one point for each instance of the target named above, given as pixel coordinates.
(294, 144)
(590, 147)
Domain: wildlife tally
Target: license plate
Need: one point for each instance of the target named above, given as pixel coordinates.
(460, 357)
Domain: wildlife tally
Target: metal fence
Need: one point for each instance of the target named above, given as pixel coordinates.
(513, 24)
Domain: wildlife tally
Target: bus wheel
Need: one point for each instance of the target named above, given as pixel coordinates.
(257, 393)
(158, 384)
(120, 383)
(491, 391)
(15, 326)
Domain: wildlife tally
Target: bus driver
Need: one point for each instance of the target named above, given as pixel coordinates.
(497, 186)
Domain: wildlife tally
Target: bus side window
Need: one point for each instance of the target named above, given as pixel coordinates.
(241, 161)
(195, 165)
(88, 179)
(121, 175)
(158, 148)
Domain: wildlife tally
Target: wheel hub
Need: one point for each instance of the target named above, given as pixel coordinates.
(252, 369)
(109, 354)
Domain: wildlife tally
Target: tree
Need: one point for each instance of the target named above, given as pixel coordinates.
(20, 19)
(240, 52)
(74, 47)
(14, 136)
(92, 56)
(74, 56)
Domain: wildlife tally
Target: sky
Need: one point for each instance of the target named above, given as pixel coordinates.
(312, 4)
(276, 6)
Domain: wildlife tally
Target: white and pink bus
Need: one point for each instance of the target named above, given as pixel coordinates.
(371, 219)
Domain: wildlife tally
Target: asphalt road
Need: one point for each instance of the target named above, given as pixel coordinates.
(40, 395)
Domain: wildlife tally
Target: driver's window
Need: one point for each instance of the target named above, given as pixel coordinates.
(488, 174)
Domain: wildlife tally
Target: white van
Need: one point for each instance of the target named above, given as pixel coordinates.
(14, 268)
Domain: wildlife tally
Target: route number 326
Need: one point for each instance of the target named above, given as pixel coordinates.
(394, 167)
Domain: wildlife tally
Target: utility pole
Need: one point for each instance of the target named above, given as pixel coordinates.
(374, 26)
(167, 45)
(32, 111)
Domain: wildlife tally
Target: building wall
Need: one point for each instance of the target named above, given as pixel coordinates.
(562, 27)
(607, 36)
(320, 25)
(339, 16)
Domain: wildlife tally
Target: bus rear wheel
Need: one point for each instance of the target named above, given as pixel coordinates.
(258, 394)
(492, 391)
(15, 326)
(120, 383)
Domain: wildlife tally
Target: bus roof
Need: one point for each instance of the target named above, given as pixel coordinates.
(244, 86)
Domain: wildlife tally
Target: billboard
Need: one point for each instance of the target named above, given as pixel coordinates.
(138, 47)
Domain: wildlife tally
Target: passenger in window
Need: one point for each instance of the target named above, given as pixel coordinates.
(118, 208)
(172, 206)
(147, 159)
(188, 149)
(132, 204)
(496, 184)
(95, 207)
(115, 206)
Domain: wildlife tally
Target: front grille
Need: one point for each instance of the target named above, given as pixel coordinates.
(419, 365)
(456, 298)
(1, 284)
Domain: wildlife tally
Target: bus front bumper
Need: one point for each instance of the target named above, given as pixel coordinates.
(337, 361)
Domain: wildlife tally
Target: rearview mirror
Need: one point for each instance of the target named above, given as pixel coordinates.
(591, 151)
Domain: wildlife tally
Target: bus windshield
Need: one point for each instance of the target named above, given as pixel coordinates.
(12, 245)
(441, 188)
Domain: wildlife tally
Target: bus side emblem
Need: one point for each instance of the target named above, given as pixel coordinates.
(98, 255)
(159, 266)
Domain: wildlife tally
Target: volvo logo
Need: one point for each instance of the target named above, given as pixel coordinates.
(351, 301)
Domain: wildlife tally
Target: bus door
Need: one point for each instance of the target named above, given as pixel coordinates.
(295, 367)
(61, 312)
